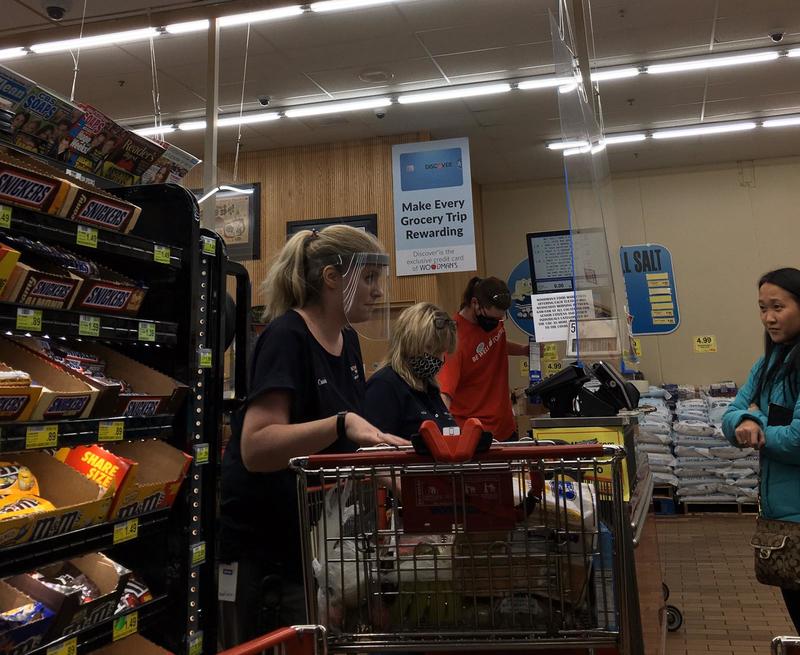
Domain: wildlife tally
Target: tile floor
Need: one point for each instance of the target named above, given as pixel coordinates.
(708, 565)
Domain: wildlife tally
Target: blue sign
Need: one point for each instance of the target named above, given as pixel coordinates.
(431, 169)
(650, 285)
(520, 312)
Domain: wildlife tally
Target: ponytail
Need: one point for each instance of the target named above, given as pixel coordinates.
(490, 292)
(469, 292)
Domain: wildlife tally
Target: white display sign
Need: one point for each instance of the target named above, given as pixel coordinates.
(434, 228)
(552, 313)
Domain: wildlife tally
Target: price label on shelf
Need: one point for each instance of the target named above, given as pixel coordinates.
(209, 246)
(162, 254)
(637, 346)
(201, 452)
(205, 358)
(5, 216)
(41, 436)
(111, 431)
(196, 643)
(125, 626)
(87, 236)
(68, 647)
(550, 351)
(29, 319)
(551, 367)
(89, 326)
(126, 531)
(199, 553)
(705, 344)
(147, 331)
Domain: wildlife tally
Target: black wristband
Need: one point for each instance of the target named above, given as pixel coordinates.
(341, 428)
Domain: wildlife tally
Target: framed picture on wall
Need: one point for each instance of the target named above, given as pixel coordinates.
(237, 219)
(366, 222)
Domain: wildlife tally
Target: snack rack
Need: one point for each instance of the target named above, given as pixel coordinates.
(179, 333)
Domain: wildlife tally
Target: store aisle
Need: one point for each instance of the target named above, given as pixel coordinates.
(708, 566)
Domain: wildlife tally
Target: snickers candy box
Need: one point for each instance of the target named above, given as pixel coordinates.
(110, 292)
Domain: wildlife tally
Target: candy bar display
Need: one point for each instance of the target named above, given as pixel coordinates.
(16, 479)
(24, 621)
(136, 593)
(70, 580)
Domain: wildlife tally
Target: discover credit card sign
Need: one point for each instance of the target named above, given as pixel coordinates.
(434, 230)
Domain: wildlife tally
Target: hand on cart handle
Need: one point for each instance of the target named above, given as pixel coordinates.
(363, 433)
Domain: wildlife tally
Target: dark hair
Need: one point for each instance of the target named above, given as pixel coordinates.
(781, 360)
(490, 292)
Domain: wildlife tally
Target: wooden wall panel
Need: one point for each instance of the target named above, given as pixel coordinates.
(337, 179)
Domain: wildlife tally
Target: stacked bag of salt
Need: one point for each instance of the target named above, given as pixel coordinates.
(654, 440)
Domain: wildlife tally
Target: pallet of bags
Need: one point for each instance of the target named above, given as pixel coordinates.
(654, 439)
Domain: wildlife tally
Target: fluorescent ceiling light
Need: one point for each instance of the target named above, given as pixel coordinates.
(703, 129)
(564, 145)
(336, 107)
(12, 53)
(113, 38)
(544, 82)
(246, 119)
(598, 147)
(782, 122)
(260, 16)
(188, 126)
(794, 53)
(450, 94)
(190, 26)
(335, 5)
(614, 74)
(569, 88)
(583, 150)
(151, 131)
(712, 62)
(611, 139)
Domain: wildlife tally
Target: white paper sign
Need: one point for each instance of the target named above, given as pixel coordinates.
(552, 313)
(434, 229)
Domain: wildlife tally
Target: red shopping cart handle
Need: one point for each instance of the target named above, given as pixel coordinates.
(290, 637)
(453, 449)
(497, 453)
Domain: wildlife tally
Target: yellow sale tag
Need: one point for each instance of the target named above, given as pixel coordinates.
(5, 216)
(205, 358)
(124, 626)
(111, 431)
(201, 453)
(29, 319)
(705, 344)
(209, 246)
(524, 368)
(147, 331)
(89, 326)
(126, 531)
(42, 436)
(637, 346)
(161, 254)
(551, 367)
(550, 351)
(199, 553)
(87, 236)
(68, 647)
(196, 644)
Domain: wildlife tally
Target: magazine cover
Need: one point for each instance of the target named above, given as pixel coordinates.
(133, 156)
(172, 166)
(93, 142)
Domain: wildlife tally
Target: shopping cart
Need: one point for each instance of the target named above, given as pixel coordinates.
(522, 547)
(292, 640)
(786, 646)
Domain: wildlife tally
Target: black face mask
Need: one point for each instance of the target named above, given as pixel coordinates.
(487, 323)
(425, 366)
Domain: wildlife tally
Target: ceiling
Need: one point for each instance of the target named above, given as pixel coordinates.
(426, 43)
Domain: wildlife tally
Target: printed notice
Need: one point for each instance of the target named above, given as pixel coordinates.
(552, 313)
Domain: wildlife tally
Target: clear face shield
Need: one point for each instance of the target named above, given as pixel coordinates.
(365, 294)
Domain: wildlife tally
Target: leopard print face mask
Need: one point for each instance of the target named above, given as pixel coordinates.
(425, 367)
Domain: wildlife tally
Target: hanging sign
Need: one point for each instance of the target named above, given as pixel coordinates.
(650, 285)
(521, 311)
(434, 230)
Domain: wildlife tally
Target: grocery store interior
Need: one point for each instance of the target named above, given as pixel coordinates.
(621, 175)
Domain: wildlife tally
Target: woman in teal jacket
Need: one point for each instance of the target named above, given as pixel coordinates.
(766, 412)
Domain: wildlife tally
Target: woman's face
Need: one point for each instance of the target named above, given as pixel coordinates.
(780, 313)
(368, 294)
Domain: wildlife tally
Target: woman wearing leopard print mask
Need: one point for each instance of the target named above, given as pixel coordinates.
(404, 393)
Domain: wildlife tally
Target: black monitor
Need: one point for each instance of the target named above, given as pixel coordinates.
(614, 388)
(558, 392)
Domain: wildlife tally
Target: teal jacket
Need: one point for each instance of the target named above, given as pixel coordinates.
(780, 457)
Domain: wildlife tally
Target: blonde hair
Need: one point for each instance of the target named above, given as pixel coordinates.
(415, 333)
(295, 277)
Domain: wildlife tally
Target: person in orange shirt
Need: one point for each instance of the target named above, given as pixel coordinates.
(474, 379)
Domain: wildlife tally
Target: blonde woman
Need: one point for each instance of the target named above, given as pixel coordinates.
(306, 396)
(404, 393)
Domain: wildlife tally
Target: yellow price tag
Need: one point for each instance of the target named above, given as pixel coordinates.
(550, 351)
(41, 436)
(162, 254)
(125, 626)
(196, 644)
(637, 346)
(111, 431)
(209, 246)
(147, 331)
(551, 367)
(126, 531)
(705, 344)
(199, 553)
(89, 326)
(524, 368)
(87, 236)
(201, 453)
(205, 358)
(29, 319)
(5, 216)
(68, 647)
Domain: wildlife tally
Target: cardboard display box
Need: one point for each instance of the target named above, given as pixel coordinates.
(24, 638)
(62, 395)
(157, 393)
(71, 614)
(8, 260)
(46, 285)
(79, 502)
(133, 645)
